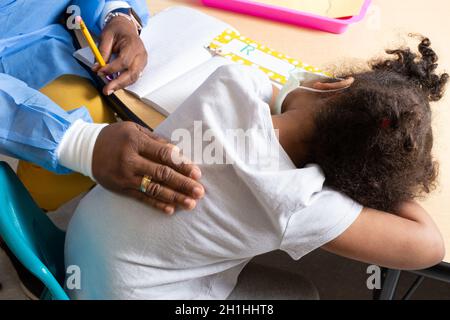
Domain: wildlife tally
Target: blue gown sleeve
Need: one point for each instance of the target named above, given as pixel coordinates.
(32, 124)
(91, 11)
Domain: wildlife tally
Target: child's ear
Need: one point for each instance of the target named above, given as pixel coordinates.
(344, 83)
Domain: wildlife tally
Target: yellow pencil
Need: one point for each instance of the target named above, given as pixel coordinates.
(90, 41)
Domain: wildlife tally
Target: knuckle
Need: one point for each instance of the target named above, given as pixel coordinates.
(185, 185)
(143, 143)
(134, 76)
(154, 190)
(172, 197)
(185, 167)
(144, 56)
(127, 128)
(124, 62)
(128, 132)
(163, 173)
(165, 154)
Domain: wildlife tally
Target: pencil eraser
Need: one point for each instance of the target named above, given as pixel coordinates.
(78, 19)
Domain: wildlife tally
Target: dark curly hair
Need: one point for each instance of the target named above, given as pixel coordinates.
(374, 140)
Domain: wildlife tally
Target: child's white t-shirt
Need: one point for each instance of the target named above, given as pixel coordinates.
(127, 250)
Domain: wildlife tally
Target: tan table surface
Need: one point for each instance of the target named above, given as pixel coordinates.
(386, 25)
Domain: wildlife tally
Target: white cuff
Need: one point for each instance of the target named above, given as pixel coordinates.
(77, 147)
(110, 6)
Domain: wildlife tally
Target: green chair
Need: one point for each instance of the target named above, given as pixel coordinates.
(30, 235)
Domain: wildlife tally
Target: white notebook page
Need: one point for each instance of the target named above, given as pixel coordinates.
(175, 40)
(169, 97)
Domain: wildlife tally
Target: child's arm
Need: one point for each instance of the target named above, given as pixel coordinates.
(275, 92)
(407, 240)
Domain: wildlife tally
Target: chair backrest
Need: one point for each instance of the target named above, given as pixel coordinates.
(31, 236)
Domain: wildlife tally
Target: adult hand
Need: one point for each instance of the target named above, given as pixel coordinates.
(120, 37)
(125, 152)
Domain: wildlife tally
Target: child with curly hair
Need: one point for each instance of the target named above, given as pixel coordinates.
(351, 156)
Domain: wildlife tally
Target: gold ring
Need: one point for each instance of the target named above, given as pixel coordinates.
(146, 180)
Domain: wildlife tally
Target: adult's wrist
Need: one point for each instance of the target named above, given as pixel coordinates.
(76, 148)
(120, 8)
(110, 7)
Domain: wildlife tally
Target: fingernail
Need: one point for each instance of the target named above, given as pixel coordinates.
(169, 210)
(109, 92)
(196, 174)
(175, 148)
(189, 204)
(198, 192)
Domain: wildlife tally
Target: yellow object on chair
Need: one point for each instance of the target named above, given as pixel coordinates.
(50, 190)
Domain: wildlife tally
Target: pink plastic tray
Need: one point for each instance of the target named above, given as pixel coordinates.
(286, 15)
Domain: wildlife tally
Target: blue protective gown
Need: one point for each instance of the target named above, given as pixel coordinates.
(35, 49)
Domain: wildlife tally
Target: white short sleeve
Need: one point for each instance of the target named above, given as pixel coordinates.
(252, 80)
(328, 216)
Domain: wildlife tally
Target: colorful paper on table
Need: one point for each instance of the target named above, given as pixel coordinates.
(326, 8)
(231, 45)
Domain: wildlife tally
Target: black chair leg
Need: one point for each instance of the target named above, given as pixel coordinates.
(416, 284)
(389, 284)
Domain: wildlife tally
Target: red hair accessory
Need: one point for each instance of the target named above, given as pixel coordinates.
(385, 123)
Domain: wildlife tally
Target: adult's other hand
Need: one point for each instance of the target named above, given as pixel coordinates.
(120, 37)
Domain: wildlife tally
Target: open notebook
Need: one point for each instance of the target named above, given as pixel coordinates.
(176, 41)
(186, 46)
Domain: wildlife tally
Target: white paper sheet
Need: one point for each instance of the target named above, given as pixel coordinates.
(175, 40)
(169, 97)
